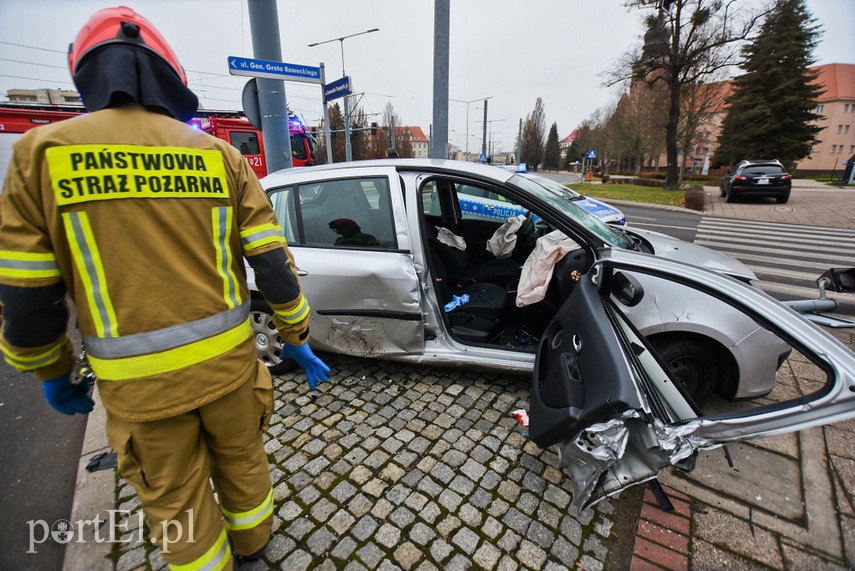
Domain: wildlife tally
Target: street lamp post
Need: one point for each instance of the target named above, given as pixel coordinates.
(348, 152)
(467, 118)
(490, 122)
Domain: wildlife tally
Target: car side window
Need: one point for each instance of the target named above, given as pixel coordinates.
(478, 203)
(282, 200)
(348, 213)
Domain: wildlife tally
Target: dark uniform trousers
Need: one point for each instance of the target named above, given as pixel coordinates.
(172, 462)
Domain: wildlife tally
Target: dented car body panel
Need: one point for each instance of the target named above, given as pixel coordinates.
(627, 417)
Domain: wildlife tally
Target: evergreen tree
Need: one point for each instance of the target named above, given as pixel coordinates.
(531, 147)
(552, 152)
(771, 113)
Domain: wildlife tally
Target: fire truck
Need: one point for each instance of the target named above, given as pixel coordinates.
(18, 118)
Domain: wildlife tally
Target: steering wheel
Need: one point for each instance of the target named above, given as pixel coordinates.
(527, 229)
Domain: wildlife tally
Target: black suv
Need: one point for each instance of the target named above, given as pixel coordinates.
(757, 178)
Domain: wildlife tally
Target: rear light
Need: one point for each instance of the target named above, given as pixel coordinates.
(786, 177)
(740, 177)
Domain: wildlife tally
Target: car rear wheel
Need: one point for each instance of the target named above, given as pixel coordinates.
(730, 197)
(691, 361)
(268, 343)
(782, 199)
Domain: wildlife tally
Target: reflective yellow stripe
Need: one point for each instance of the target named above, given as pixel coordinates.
(214, 559)
(28, 265)
(258, 236)
(87, 259)
(222, 220)
(251, 518)
(30, 362)
(297, 314)
(172, 359)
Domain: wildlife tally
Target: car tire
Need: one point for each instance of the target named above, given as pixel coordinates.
(268, 343)
(782, 199)
(730, 196)
(722, 192)
(691, 361)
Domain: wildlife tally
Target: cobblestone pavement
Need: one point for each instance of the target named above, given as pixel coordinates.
(394, 466)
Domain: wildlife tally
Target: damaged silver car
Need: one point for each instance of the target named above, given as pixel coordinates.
(371, 242)
(639, 358)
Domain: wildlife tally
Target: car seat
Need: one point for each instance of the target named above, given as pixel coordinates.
(477, 319)
(462, 273)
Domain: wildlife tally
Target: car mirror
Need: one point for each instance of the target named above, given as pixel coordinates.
(626, 289)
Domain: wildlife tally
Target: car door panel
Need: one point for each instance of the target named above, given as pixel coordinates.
(368, 308)
(608, 440)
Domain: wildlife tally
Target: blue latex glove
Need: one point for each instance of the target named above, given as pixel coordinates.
(68, 398)
(316, 370)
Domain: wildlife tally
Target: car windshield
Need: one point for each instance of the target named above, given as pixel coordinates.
(564, 199)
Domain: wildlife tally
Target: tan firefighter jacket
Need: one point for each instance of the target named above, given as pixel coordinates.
(144, 221)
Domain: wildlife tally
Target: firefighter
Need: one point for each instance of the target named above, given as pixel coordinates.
(144, 222)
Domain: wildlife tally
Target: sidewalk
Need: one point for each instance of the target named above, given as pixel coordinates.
(393, 466)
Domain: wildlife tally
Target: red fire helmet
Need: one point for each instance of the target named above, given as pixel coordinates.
(121, 25)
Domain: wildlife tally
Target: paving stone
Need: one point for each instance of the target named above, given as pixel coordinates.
(388, 535)
(343, 548)
(299, 559)
(360, 475)
(462, 485)
(572, 530)
(364, 528)
(448, 526)
(470, 515)
(343, 491)
(402, 517)
(430, 512)
(509, 490)
(439, 550)
(416, 501)
(540, 535)
(450, 500)
(290, 510)
(588, 562)
(509, 541)
(487, 556)
(323, 509)
(442, 472)
(594, 545)
(359, 505)
(131, 559)
(341, 522)
(528, 503)
(466, 539)
(459, 563)
(397, 494)
(407, 555)
(300, 528)
(370, 554)
(490, 480)
(564, 551)
(517, 520)
(531, 555)
(320, 541)
(421, 534)
(375, 487)
(382, 508)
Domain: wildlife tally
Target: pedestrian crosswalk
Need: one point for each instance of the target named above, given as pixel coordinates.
(786, 258)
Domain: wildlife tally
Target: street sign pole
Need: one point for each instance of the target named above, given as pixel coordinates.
(327, 134)
(272, 102)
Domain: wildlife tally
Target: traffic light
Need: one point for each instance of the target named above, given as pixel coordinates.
(374, 127)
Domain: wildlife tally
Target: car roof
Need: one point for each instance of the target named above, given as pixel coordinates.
(477, 170)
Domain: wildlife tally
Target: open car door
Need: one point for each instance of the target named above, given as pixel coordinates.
(602, 397)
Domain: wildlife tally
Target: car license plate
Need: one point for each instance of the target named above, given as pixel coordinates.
(762, 181)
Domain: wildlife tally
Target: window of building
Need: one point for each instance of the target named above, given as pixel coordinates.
(839, 129)
(851, 149)
(846, 128)
(833, 149)
(846, 108)
(348, 213)
(820, 108)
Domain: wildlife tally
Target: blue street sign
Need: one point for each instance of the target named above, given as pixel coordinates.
(592, 154)
(482, 158)
(336, 89)
(273, 70)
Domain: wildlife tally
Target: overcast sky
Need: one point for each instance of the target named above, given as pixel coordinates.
(509, 50)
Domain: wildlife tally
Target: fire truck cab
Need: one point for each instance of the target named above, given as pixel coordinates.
(248, 140)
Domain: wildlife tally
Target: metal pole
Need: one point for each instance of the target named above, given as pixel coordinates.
(264, 26)
(327, 133)
(439, 142)
(466, 156)
(484, 139)
(519, 142)
(348, 151)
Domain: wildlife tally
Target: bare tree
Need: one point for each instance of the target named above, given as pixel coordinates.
(686, 43)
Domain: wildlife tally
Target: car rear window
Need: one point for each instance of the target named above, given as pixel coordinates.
(763, 169)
